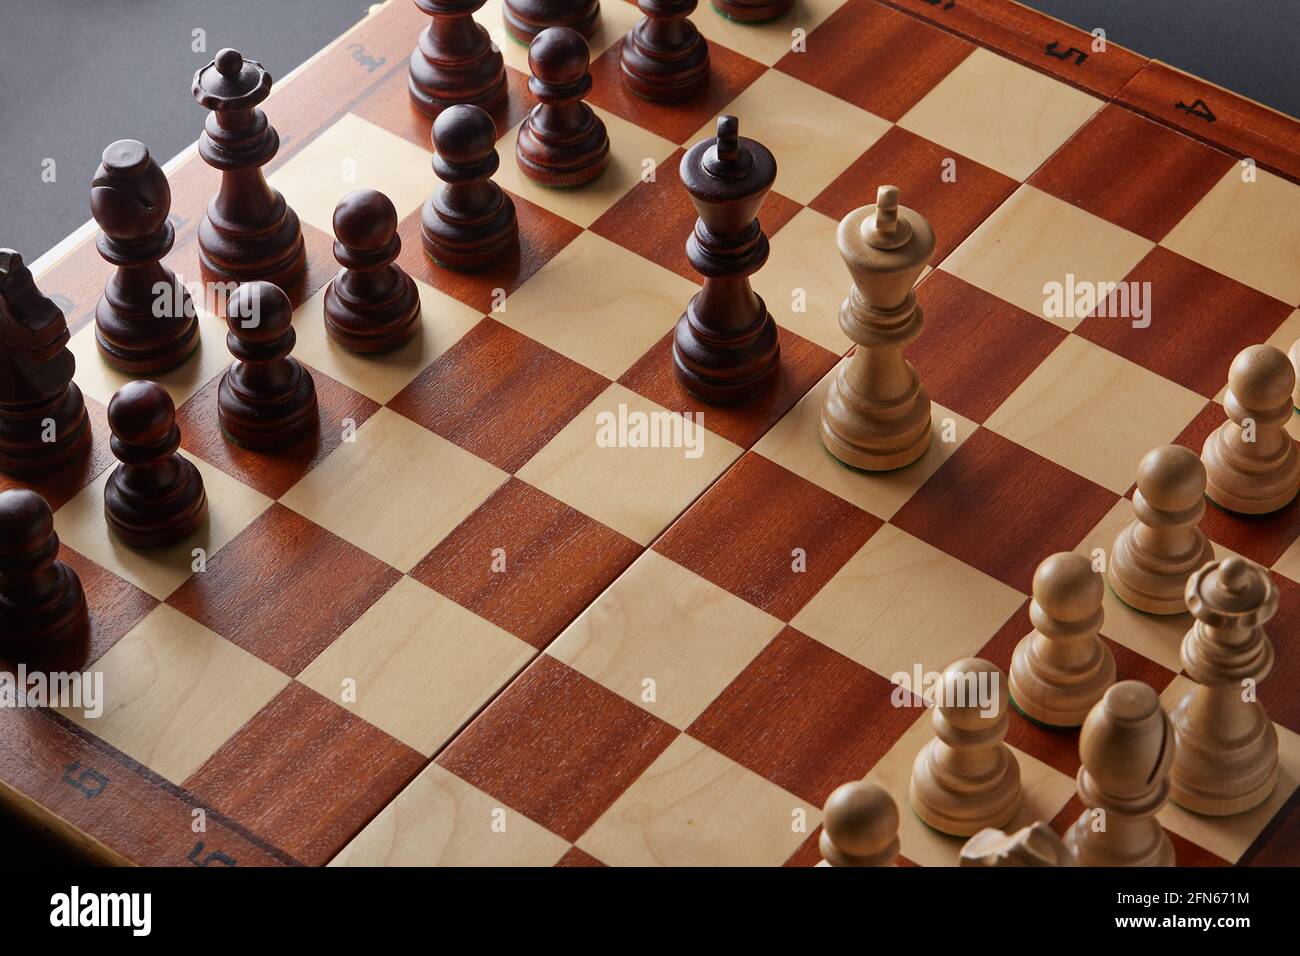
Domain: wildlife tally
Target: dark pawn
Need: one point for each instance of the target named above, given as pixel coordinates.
(154, 497)
(266, 399)
(454, 61)
(752, 11)
(42, 604)
(470, 222)
(725, 348)
(562, 142)
(525, 19)
(38, 399)
(372, 305)
(664, 57)
(144, 322)
(248, 231)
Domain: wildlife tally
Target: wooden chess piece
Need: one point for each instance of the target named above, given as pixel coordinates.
(42, 604)
(1227, 747)
(1061, 668)
(145, 321)
(371, 305)
(876, 415)
(663, 57)
(1127, 750)
(155, 497)
(1251, 463)
(1153, 557)
(43, 420)
(455, 60)
(752, 11)
(1294, 356)
(266, 400)
(966, 778)
(562, 142)
(1034, 845)
(524, 19)
(859, 826)
(470, 222)
(725, 348)
(248, 231)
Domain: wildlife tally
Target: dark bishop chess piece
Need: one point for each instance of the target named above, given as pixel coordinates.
(562, 142)
(371, 305)
(455, 61)
(524, 19)
(266, 399)
(470, 222)
(145, 322)
(42, 604)
(43, 421)
(752, 11)
(155, 497)
(248, 231)
(664, 57)
(725, 349)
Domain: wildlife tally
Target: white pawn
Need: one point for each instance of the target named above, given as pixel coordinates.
(859, 826)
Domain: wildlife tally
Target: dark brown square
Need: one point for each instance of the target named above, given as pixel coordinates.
(1002, 509)
(744, 532)
(1200, 320)
(1277, 691)
(499, 394)
(805, 717)
(116, 606)
(557, 747)
(1130, 171)
(305, 774)
(284, 589)
(917, 166)
(557, 561)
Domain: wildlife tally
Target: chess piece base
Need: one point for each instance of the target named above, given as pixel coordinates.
(873, 438)
(477, 79)
(1145, 588)
(469, 246)
(273, 425)
(1223, 781)
(992, 801)
(665, 78)
(159, 521)
(523, 31)
(22, 452)
(277, 255)
(730, 369)
(115, 331)
(1078, 842)
(375, 326)
(752, 12)
(61, 619)
(1262, 487)
(571, 162)
(1069, 701)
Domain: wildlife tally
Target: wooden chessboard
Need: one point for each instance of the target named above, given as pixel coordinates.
(649, 679)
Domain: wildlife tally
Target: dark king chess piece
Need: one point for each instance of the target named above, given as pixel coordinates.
(43, 421)
(42, 604)
(664, 57)
(524, 19)
(725, 348)
(562, 142)
(145, 322)
(455, 61)
(248, 231)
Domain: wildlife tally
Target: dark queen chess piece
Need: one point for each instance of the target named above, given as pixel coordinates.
(248, 231)
(725, 348)
(43, 421)
(42, 604)
(455, 60)
(469, 223)
(145, 322)
(562, 142)
(524, 19)
(371, 305)
(664, 57)
(266, 399)
(155, 497)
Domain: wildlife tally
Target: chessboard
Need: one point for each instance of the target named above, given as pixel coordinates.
(459, 630)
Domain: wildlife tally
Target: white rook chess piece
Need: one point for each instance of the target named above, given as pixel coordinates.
(859, 826)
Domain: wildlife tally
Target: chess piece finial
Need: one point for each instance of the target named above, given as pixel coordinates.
(524, 19)
(155, 497)
(1227, 760)
(455, 61)
(470, 222)
(1251, 462)
(859, 826)
(1034, 845)
(1062, 668)
(663, 57)
(1127, 749)
(562, 142)
(966, 778)
(42, 604)
(371, 305)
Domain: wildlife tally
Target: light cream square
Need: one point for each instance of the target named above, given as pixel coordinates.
(805, 280)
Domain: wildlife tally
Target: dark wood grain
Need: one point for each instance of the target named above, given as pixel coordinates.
(116, 606)
(60, 487)
(1279, 842)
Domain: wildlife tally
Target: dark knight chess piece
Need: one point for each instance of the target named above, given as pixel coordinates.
(524, 19)
(145, 322)
(725, 348)
(664, 57)
(371, 305)
(455, 60)
(562, 142)
(266, 399)
(42, 604)
(752, 11)
(155, 497)
(43, 421)
(248, 231)
(470, 222)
